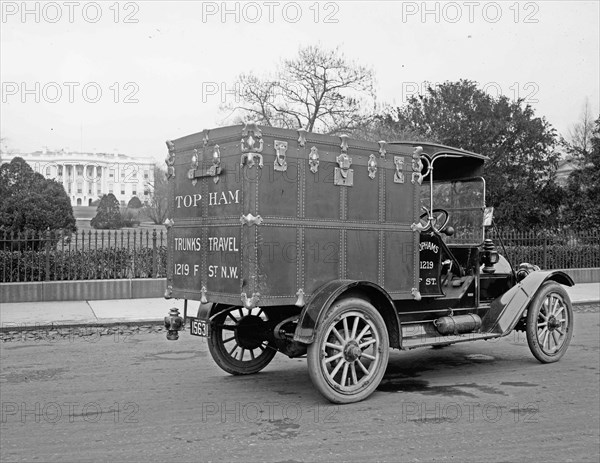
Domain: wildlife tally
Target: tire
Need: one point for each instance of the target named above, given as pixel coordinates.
(549, 325)
(348, 358)
(237, 342)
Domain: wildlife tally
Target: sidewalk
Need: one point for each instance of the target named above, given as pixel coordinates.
(23, 315)
(585, 293)
(26, 315)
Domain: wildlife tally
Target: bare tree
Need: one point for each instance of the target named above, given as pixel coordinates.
(156, 207)
(579, 143)
(319, 90)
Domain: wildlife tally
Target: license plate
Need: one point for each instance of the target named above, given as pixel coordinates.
(199, 327)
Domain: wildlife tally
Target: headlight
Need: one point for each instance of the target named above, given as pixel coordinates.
(525, 269)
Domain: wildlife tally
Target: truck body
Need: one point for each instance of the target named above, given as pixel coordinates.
(339, 249)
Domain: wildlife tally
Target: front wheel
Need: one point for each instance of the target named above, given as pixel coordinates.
(349, 356)
(549, 324)
(238, 341)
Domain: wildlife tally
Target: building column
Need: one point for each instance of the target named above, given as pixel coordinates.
(98, 184)
(94, 181)
(72, 183)
(64, 176)
(104, 180)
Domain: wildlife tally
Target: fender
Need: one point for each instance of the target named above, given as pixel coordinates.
(204, 311)
(506, 310)
(209, 311)
(326, 295)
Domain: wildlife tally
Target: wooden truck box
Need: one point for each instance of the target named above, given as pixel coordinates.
(265, 216)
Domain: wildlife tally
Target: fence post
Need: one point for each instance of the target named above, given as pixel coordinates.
(47, 276)
(545, 251)
(154, 255)
(2, 248)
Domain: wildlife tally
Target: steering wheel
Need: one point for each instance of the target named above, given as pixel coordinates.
(440, 216)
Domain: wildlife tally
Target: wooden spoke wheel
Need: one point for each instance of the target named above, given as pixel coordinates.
(549, 324)
(238, 341)
(349, 356)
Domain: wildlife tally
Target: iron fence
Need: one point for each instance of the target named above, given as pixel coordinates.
(549, 250)
(85, 255)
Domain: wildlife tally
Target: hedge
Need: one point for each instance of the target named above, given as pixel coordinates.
(85, 264)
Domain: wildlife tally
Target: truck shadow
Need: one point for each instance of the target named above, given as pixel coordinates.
(409, 371)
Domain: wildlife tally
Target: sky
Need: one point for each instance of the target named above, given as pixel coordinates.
(126, 76)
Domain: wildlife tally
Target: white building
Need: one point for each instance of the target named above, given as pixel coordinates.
(87, 176)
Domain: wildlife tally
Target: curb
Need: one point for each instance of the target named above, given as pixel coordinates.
(586, 307)
(586, 302)
(90, 334)
(18, 327)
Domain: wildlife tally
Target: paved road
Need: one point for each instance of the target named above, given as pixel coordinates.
(139, 397)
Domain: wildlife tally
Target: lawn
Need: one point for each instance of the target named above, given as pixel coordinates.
(83, 215)
(84, 212)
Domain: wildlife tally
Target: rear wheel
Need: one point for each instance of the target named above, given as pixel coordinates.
(238, 342)
(349, 356)
(549, 324)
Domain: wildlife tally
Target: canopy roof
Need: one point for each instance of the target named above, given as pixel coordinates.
(449, 163)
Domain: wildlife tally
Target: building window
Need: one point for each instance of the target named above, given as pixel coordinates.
(69, 187)
(79, 187)
(146, 174)
(146, 192)
(110, 188)
(48, 171)
(90, 188)
(79, 171)
(122, 189)
(134, 192)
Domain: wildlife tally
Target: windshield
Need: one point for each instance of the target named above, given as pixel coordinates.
(464, 200)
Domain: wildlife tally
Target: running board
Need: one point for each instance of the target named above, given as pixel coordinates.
(414, 336)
